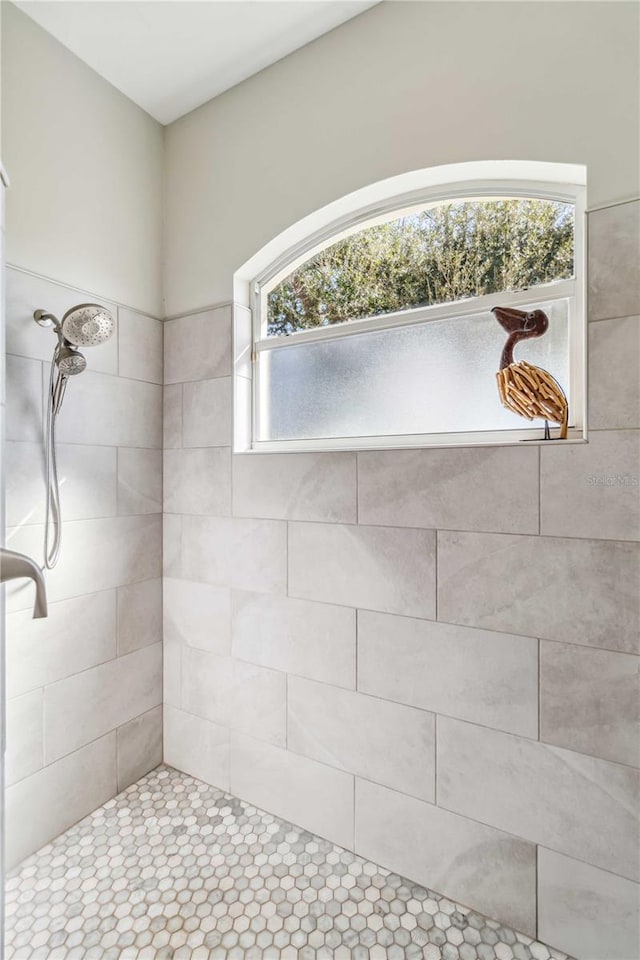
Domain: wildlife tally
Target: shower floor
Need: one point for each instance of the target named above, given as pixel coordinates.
(173, 868)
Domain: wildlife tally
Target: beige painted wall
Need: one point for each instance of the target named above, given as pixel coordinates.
(85, 166)
(403, 86)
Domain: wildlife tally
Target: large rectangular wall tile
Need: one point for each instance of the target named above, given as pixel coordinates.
(172, 673)
(40, 807)
(171, 545)
(614, 384)
(198, 346)
(236, 694)
(382, 741)
(96, 555)
(298, 486)
(590, 701)
(86, 475)
(26, 293)
(88, 705)
(23, 380)
(580, 591)
(197, 615)
(23, 736)
(139, 746)
(140, 346)
(197, 747)
(377, 568)
(588, 912)
(571, 803)
(458, 857)
(206, 413)
(314, 640)
(139, 615)
(246, 554)
(78, 634)
(172, 416)
(302, 791)
(24, 481)
(87, 478)
(488, 678)
(614, 261)
(592, 489)
(489, 488)
(198, 481)
(139, 481)
(111, 411)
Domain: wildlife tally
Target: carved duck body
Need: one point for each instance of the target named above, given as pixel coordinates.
(524, 388)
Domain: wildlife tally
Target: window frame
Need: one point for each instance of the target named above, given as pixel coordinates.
(391, 209)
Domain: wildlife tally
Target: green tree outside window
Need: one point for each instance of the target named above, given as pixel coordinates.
(449, 252)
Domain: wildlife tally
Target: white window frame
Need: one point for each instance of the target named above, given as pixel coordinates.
(385, 211)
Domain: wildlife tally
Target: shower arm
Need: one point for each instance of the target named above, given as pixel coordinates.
(44, 319)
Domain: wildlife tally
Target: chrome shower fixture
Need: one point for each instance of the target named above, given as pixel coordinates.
(86, 325)
(70, 361)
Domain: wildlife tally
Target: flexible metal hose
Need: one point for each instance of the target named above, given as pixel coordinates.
(53, 514)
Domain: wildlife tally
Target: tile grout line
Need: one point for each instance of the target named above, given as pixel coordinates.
(539, 690)
(83, 746)
(537, 888)
(428, 803)
(354, 811)
(435, 759)
(286, 711)
(357, 681)
(435, 560)
(502, 731)
(331, 603)
(539, 491)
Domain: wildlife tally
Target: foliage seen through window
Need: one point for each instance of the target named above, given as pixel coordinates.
(442, 254)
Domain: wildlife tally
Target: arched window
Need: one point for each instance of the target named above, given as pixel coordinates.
(378, 332)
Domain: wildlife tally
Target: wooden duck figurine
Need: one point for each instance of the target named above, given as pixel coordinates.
(525, 389)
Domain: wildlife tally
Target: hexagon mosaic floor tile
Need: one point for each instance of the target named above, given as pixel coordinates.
(173, 868)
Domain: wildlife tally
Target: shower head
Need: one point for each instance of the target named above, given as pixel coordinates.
(87, 325)
(70, 361)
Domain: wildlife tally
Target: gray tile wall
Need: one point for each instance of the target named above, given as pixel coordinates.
(428, 656)
(84, 687)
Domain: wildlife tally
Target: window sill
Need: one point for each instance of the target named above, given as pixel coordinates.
(510, 438)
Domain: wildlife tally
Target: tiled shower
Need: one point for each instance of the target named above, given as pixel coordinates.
(224, 743)
(431, 704)
(84, 686)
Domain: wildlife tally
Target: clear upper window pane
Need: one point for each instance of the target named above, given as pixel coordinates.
(441, 254)
(431, 377)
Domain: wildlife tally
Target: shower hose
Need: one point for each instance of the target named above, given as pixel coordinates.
(53, 513)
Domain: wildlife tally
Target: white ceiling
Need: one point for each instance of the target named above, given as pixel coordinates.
(170, 56)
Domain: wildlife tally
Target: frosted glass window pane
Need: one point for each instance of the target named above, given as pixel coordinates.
(435, 377)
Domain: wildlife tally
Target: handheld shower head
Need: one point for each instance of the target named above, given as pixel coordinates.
(87, 325)
(70, 361)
